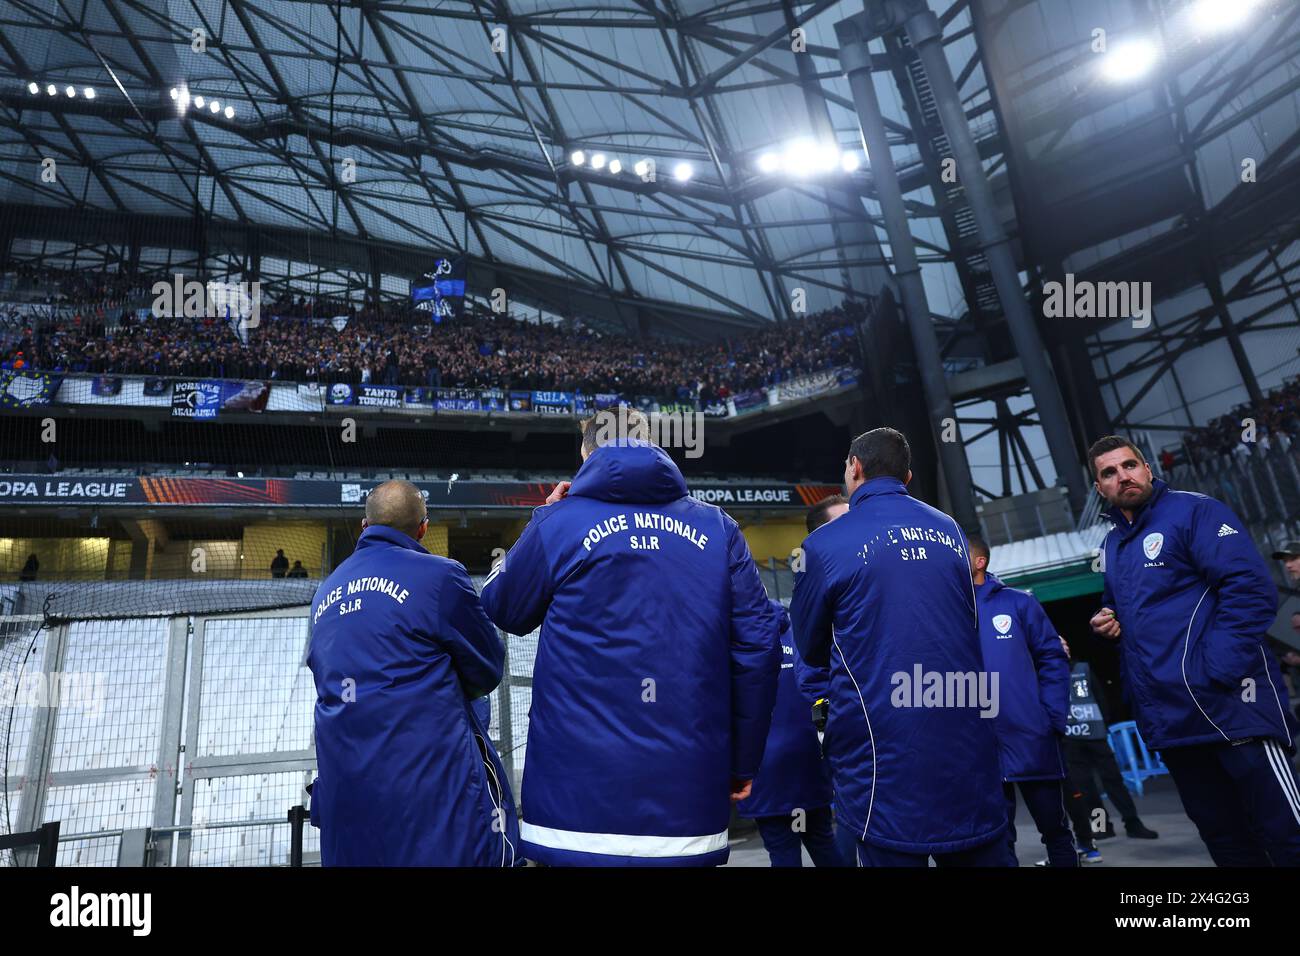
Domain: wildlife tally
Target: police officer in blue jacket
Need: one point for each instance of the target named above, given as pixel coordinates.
(1022, 646)
(1190, 601)
(886, 599)
(791, 800)
(400, 650)
(656, 666)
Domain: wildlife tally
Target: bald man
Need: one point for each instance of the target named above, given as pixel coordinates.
(400, 648)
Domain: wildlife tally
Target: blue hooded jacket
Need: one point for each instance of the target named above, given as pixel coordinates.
(1194, 602)
(656, 667)
(1022, 646)
(886, 598)
(793, 774)
(407, 776)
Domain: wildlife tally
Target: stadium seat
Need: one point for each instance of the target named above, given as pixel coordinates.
(1136, 763)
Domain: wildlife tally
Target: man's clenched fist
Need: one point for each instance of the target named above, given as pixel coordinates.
(1105, 623)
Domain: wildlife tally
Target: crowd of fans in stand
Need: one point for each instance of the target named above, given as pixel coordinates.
(296, 340)
(1277, 422)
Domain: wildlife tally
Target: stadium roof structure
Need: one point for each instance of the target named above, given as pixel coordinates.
(460, 148)
(461, 119)
(1114, 136)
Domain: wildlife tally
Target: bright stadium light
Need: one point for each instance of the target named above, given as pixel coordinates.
(215, 106)
(850, 162)
(800, 157)
(183, 101)
(1129, 61)
(641, 167)
(71, 91)
(683, 172)
(577, 157)
(52, 90)
(1216, 16)
(199, 102)
(597, 160)
(175, 93)
(33, 88)
(769, 163)
(828, 157)
(615, 167)
(230, 112)
(89, 92)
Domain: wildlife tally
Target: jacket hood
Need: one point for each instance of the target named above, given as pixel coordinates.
(638, 473)
(992, 585)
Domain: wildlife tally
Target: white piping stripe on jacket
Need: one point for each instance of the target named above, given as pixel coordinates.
(1186, 641)
(871, 803)
(622, 844)
(1286, 731)
(1284, 764)
(1285, 776)
(498, 810)
(493, 573)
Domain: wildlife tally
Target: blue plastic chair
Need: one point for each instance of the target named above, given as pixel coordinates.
(1136, 763)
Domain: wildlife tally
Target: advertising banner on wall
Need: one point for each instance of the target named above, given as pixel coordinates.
(189, 492)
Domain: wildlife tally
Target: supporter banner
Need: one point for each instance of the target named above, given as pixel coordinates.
(245, 396)
(748, 401)
(20, 389)
(809, 386)
(677, 408)
(188, 491)
(195, 398)
(456, 400)
(203, 398)
(441, 290)
(553, 403)
(379, 396)
(106, 385)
